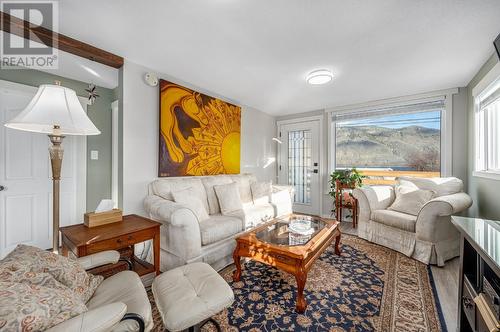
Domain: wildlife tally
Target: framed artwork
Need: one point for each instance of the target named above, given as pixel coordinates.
(199, 134)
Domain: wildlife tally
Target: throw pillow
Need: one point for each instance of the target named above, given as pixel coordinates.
(261, 192)
(189, 199)
(410, 199)
(229, 197)
(27, 307)
(66, 271)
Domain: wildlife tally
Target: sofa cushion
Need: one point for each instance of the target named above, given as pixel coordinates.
(261, 192)
(410, 199)
(244, 181)
(188, 198)
(209, 182)
(164, 187)
(219, 227)
(255, 214)
(66, 271)
(229, 197)
(28, 307)
(126, 287)
(442, 186)
(395, 219)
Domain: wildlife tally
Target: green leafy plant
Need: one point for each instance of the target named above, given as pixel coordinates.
(349, 177)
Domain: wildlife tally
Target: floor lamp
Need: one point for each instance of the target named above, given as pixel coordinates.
(56, 111)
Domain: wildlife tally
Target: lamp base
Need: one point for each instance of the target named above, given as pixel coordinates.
(56, 153)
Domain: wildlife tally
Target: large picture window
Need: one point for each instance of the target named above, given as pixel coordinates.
(403, 138)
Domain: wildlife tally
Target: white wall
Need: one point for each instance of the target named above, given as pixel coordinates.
(258, 150)
(140, 136)
(484, 192)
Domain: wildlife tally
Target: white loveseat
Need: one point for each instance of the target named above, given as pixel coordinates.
(185, 240)
(429, 236)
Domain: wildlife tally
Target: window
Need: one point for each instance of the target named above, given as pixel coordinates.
(407, 137)
(487, 127)
(299, 162)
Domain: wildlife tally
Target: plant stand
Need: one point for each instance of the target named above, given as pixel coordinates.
(341, 203)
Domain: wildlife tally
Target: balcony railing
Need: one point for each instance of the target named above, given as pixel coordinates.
(374, 177)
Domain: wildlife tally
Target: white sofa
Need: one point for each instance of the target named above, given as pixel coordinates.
(428, 237)
(185, 240)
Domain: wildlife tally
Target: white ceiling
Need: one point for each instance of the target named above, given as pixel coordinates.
(258, 52)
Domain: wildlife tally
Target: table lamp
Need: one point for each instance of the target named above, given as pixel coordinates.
(56, 111)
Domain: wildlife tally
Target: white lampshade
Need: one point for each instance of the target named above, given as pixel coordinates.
(54, 105)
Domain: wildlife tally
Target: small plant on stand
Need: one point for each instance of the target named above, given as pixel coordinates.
(347, 178)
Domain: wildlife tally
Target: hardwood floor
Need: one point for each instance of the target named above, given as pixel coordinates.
(446, 280)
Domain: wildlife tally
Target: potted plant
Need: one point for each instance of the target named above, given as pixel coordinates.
(346, 179)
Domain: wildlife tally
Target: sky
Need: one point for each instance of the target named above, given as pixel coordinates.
(424, 119)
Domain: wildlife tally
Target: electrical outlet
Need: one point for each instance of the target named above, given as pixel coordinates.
(94, 155)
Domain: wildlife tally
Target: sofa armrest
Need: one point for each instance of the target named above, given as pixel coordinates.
(447, 205)
(169, 212)
(99, 259)
(282, 199)
(376, 197)
(179, 225)
(433, 220)
(100, 319)
(281, 187)
(364, 210)
(280, 192)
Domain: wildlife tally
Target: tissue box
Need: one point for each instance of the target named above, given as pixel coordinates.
(92, 219)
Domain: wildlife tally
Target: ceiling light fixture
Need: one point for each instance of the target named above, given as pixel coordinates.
(321, 76)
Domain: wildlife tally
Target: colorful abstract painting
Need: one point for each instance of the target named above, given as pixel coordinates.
(199, 134)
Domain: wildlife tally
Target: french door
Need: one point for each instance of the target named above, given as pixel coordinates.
(25, 177)
(299, 164)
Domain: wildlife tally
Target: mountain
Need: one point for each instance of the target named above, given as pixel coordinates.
(414, 147)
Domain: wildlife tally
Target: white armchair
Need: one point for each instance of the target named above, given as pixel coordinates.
(120, 303)
(429, 236)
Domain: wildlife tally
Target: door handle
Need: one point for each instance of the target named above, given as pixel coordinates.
(2, 188)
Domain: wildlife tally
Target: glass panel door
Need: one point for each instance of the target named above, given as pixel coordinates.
(300, 164)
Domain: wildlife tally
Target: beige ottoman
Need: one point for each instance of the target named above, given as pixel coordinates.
(189, 295)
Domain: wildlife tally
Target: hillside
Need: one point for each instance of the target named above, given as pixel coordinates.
(414, 147)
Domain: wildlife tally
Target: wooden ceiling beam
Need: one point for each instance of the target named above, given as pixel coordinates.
(25, 29)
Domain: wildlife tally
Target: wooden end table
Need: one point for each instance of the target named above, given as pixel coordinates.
(272, 244)
(83, 241)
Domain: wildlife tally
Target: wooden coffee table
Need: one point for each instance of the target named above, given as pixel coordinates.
(274, 244)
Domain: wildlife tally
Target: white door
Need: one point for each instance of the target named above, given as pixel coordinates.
(299, 164)
(26, 179)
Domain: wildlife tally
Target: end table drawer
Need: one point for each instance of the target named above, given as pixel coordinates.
(120, 241)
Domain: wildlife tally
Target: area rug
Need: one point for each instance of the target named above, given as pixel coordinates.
(367, 288)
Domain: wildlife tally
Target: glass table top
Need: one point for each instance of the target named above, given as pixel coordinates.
(292, 231)
(485, 233)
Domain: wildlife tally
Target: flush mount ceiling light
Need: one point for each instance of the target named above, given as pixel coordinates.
(321, 76)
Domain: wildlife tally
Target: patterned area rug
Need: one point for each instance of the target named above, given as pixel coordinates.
(367, 288)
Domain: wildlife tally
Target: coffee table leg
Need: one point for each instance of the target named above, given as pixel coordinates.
(301, 278)
(337, 244)
(237, 263)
